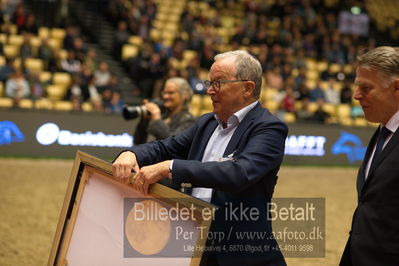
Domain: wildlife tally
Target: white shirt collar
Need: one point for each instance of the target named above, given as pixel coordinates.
(393, 122)
(238, 116)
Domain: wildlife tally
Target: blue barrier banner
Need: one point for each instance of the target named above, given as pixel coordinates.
(51, 134)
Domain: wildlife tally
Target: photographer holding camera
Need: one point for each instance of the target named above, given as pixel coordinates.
(158, 124)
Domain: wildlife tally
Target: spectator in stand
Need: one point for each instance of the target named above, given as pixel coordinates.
(144, 28)
(69, 39)
(26, 50)
(263, 56)
(150, 9)
(239, 35)
(108, 92)
(133, 18)
(309, 45)
(106, 97)
(260, 37)
(304, 114)
(286, 71)
(30, 25)
(317, 93)
(7, 70)
(38, 88)
(300, 79)
(287, 104)
(90, 59)
(102, 76)
(17, 87)
(112, 102)
(146, 69)
(300, 60)
(71, 64)
(19, 17)
(303, 92)
(10, 6)
(193, 77)
(76, 93)
(113, 84)
(46, 53)
(320, 116)
(121, 37)
(332, 95)
(117, 103)
(79, 49)
(207, 55)
(187, 22)
(95, 96)
(346, 93)
(85, 74)
(157, 72)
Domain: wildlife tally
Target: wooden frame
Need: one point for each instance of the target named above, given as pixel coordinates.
(69, 244)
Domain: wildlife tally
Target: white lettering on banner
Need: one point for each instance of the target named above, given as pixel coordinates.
(49, 133)
(305, 145)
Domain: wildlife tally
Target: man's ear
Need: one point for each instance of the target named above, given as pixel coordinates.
(396, 85)
(249, 87)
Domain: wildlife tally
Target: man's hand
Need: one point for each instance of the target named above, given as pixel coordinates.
(124, 165)
(151, 174)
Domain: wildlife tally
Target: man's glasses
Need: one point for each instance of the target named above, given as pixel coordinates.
(217, 84)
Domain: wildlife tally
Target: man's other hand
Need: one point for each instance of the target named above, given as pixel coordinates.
(151, 174)
(124, 165)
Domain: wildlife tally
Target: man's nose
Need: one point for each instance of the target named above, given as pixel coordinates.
(357, 95)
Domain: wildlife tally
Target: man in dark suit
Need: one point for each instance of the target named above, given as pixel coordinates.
(230, 157)
(374, 237)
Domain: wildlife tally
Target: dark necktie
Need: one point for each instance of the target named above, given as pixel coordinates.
(384, 133)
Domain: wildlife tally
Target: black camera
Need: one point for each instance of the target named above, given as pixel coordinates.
(132, 112)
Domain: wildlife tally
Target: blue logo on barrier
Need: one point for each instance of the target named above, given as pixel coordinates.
(351, 145)
(9, 132)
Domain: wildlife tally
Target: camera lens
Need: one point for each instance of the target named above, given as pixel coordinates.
(132, 112)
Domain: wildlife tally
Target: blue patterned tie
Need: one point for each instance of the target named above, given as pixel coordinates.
(384, 133)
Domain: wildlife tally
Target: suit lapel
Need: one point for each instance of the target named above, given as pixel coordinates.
(385, 152)
(241, 129)
(361, 179)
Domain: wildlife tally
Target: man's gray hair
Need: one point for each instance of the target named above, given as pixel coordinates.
(383, 58)
(185, 89)
(248, 68)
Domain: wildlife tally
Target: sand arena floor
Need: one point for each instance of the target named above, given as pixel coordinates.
(32, 193)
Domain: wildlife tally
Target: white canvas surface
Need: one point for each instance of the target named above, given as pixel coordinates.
(97, 238)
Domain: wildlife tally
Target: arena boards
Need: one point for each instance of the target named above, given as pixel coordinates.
(106, 222)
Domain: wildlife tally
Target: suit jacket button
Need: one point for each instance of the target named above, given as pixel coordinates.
(360, 203)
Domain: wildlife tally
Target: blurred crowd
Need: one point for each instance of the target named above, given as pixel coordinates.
(282, 34)
(91, 81)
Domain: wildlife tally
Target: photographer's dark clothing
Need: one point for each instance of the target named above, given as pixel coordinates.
(160, 130)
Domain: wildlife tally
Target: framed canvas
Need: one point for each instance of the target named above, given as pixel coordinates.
(107, 222)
